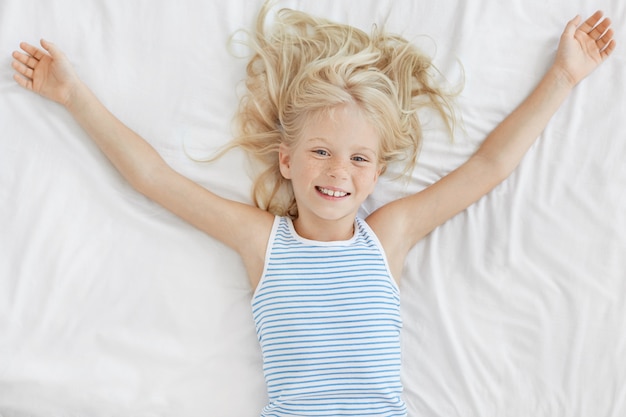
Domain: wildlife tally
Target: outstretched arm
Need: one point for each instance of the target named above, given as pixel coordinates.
(50, 74)
(241, 226)
(404, 222)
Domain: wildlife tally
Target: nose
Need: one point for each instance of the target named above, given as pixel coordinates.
(337, 169)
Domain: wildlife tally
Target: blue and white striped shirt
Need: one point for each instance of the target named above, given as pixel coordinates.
(327, 316)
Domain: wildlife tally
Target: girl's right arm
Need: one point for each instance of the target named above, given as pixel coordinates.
(243, 227)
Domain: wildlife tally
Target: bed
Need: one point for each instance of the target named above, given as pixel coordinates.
(111, 306)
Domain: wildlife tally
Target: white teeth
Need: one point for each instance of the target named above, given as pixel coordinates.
(332, 193)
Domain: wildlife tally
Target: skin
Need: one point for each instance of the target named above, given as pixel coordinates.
(337, 153)
(327, 155)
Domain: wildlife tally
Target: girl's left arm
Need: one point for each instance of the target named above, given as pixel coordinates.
(402, 223)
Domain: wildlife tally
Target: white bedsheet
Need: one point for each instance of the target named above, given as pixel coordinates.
(111, 306)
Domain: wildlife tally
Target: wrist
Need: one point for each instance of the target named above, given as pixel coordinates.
(74, 95)
(561, 77)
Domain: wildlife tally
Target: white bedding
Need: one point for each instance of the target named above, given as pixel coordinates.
(111, 306)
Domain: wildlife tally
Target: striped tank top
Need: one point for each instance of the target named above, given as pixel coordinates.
(327, 316)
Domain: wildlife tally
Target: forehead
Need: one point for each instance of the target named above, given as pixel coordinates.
(346, 124)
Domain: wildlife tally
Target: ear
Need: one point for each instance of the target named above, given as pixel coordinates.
(381, 170)
(284, 161)
(377, 174)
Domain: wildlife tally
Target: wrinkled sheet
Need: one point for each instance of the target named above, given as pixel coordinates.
(111, 306)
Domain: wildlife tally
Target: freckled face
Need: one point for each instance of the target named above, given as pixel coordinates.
(334, 165)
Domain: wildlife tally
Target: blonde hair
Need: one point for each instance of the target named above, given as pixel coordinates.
(303, 65)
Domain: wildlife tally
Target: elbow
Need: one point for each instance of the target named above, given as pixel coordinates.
(146, 178)
(494, 169)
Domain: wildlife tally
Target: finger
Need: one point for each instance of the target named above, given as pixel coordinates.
(27, 60)
(32, 50)
(23, 69)
(591, 21)
(605, 39)
(571, 26)
(600, 29)
(50, 47)
(24, 82)
(608, 50)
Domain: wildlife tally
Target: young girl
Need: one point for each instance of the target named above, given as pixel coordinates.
(328, 108)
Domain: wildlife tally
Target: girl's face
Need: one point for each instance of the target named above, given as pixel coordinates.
(333, 167)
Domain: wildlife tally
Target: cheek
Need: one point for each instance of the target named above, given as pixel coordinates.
(369, 179)
(303, 170)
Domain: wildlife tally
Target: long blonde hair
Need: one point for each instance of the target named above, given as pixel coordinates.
(303, 65)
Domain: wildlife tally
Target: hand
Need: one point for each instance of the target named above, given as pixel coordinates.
(49, 74)
(582, 48)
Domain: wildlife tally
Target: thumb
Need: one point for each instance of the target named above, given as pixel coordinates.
(571, 26)
(50, 47)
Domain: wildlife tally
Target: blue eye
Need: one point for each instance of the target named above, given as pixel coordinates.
(359, 159)
(321, 152)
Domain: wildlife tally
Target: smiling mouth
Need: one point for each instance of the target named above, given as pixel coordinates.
(331, 193)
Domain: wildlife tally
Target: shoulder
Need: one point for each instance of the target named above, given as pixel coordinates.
(253, 236)
(389, 225)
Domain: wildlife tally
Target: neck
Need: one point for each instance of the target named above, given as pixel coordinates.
(325, 230)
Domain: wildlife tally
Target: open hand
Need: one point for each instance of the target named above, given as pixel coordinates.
(582, 48)
(48, 72)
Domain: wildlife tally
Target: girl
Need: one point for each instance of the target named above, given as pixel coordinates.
(328, 108)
